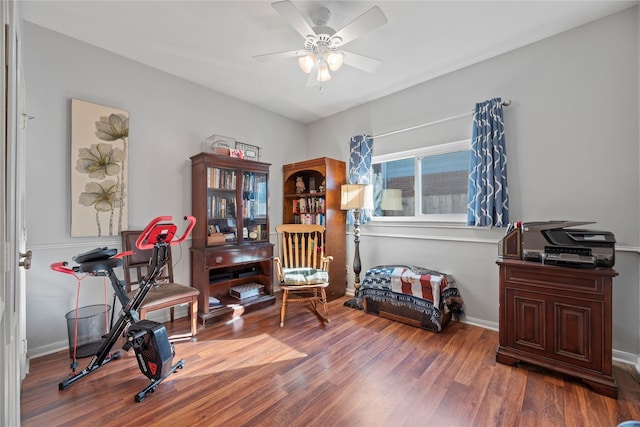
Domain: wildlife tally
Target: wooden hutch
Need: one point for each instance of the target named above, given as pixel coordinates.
(231, 256)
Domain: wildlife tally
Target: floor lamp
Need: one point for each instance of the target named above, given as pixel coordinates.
(356, 197)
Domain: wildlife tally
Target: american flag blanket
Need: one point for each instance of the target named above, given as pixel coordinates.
(427, 291)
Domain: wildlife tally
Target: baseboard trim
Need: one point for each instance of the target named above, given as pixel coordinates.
(480, 322)
(626, 358)
(161, 316)
(47, 349)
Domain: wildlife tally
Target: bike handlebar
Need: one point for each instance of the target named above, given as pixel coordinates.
(141, 241)
(167, 230)
(61, 267)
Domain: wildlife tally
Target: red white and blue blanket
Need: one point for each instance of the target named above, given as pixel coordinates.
(427, 291)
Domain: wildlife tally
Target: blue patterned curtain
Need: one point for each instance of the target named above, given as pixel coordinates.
(360, 149)
(488, 197)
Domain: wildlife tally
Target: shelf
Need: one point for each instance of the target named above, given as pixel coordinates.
(232, 308)
(297, 196)
(233, 281)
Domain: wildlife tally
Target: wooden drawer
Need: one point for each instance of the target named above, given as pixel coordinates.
(233, 256)
(555, 280)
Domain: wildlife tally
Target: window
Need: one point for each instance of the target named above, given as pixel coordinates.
(438, 174)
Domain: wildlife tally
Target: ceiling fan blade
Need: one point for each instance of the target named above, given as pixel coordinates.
(279, 55)
(364, 63)
(292, 15)
(370, 20)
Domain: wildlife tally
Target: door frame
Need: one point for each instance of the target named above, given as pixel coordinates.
(13, 346)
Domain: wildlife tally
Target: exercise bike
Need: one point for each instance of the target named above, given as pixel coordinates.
(149, 340)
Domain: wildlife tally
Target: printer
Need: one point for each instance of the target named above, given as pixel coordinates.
(550, 242)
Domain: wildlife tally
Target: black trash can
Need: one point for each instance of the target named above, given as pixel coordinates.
(91, 327)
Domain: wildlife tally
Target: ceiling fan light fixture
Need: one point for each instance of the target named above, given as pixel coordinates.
(323, 71)
(334, 59)
(321, 53)
(306, 62)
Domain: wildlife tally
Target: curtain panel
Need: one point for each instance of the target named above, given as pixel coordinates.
(360, 151)
(488, 196)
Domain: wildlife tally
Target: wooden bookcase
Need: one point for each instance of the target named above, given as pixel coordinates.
(230, 241)
(558, 318)
(319, 203)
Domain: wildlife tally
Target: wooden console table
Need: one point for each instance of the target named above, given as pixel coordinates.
(558, 318)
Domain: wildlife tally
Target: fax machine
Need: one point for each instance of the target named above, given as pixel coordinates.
(550, 243)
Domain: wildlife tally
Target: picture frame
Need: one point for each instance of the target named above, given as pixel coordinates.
(99, 169)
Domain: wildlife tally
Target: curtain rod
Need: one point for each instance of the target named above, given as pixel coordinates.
(505, 103)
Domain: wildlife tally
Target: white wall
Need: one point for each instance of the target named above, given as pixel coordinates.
(169, 117)
(572, 146)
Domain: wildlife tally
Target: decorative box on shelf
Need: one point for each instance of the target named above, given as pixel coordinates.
(218, 144)
(246, 291)
(216, 239)
(250, 152)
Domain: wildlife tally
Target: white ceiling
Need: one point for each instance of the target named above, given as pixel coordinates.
(212, 43)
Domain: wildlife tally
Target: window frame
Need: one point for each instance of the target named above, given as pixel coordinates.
(417, 154)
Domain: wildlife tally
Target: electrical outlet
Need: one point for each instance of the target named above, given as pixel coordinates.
(346, 269)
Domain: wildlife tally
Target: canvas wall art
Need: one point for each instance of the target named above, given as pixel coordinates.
(99, 175)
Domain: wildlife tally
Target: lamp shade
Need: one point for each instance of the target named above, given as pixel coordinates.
(334, 59)
(306, 62)
(323, 71)
(356, 196)
(391, 199)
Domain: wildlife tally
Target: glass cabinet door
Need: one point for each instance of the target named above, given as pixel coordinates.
(221, 206)
(254, 206)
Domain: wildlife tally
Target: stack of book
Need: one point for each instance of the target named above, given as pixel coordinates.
(214, 303)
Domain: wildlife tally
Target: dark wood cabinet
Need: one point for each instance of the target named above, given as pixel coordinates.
(558, 318)
(230, 241)
(318, 202)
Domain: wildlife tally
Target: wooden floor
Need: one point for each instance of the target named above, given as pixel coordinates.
(358, 370)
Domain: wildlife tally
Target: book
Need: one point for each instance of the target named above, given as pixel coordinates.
(214, 302)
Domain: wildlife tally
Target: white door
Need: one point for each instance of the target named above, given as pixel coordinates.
(14, 258)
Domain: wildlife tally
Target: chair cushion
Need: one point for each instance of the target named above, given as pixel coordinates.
(164, 293)
(304, 276)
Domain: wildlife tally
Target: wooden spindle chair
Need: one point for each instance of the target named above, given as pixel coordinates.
(302, 266)
(166, 294)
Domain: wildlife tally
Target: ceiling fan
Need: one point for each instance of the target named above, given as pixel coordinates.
(322, 51)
